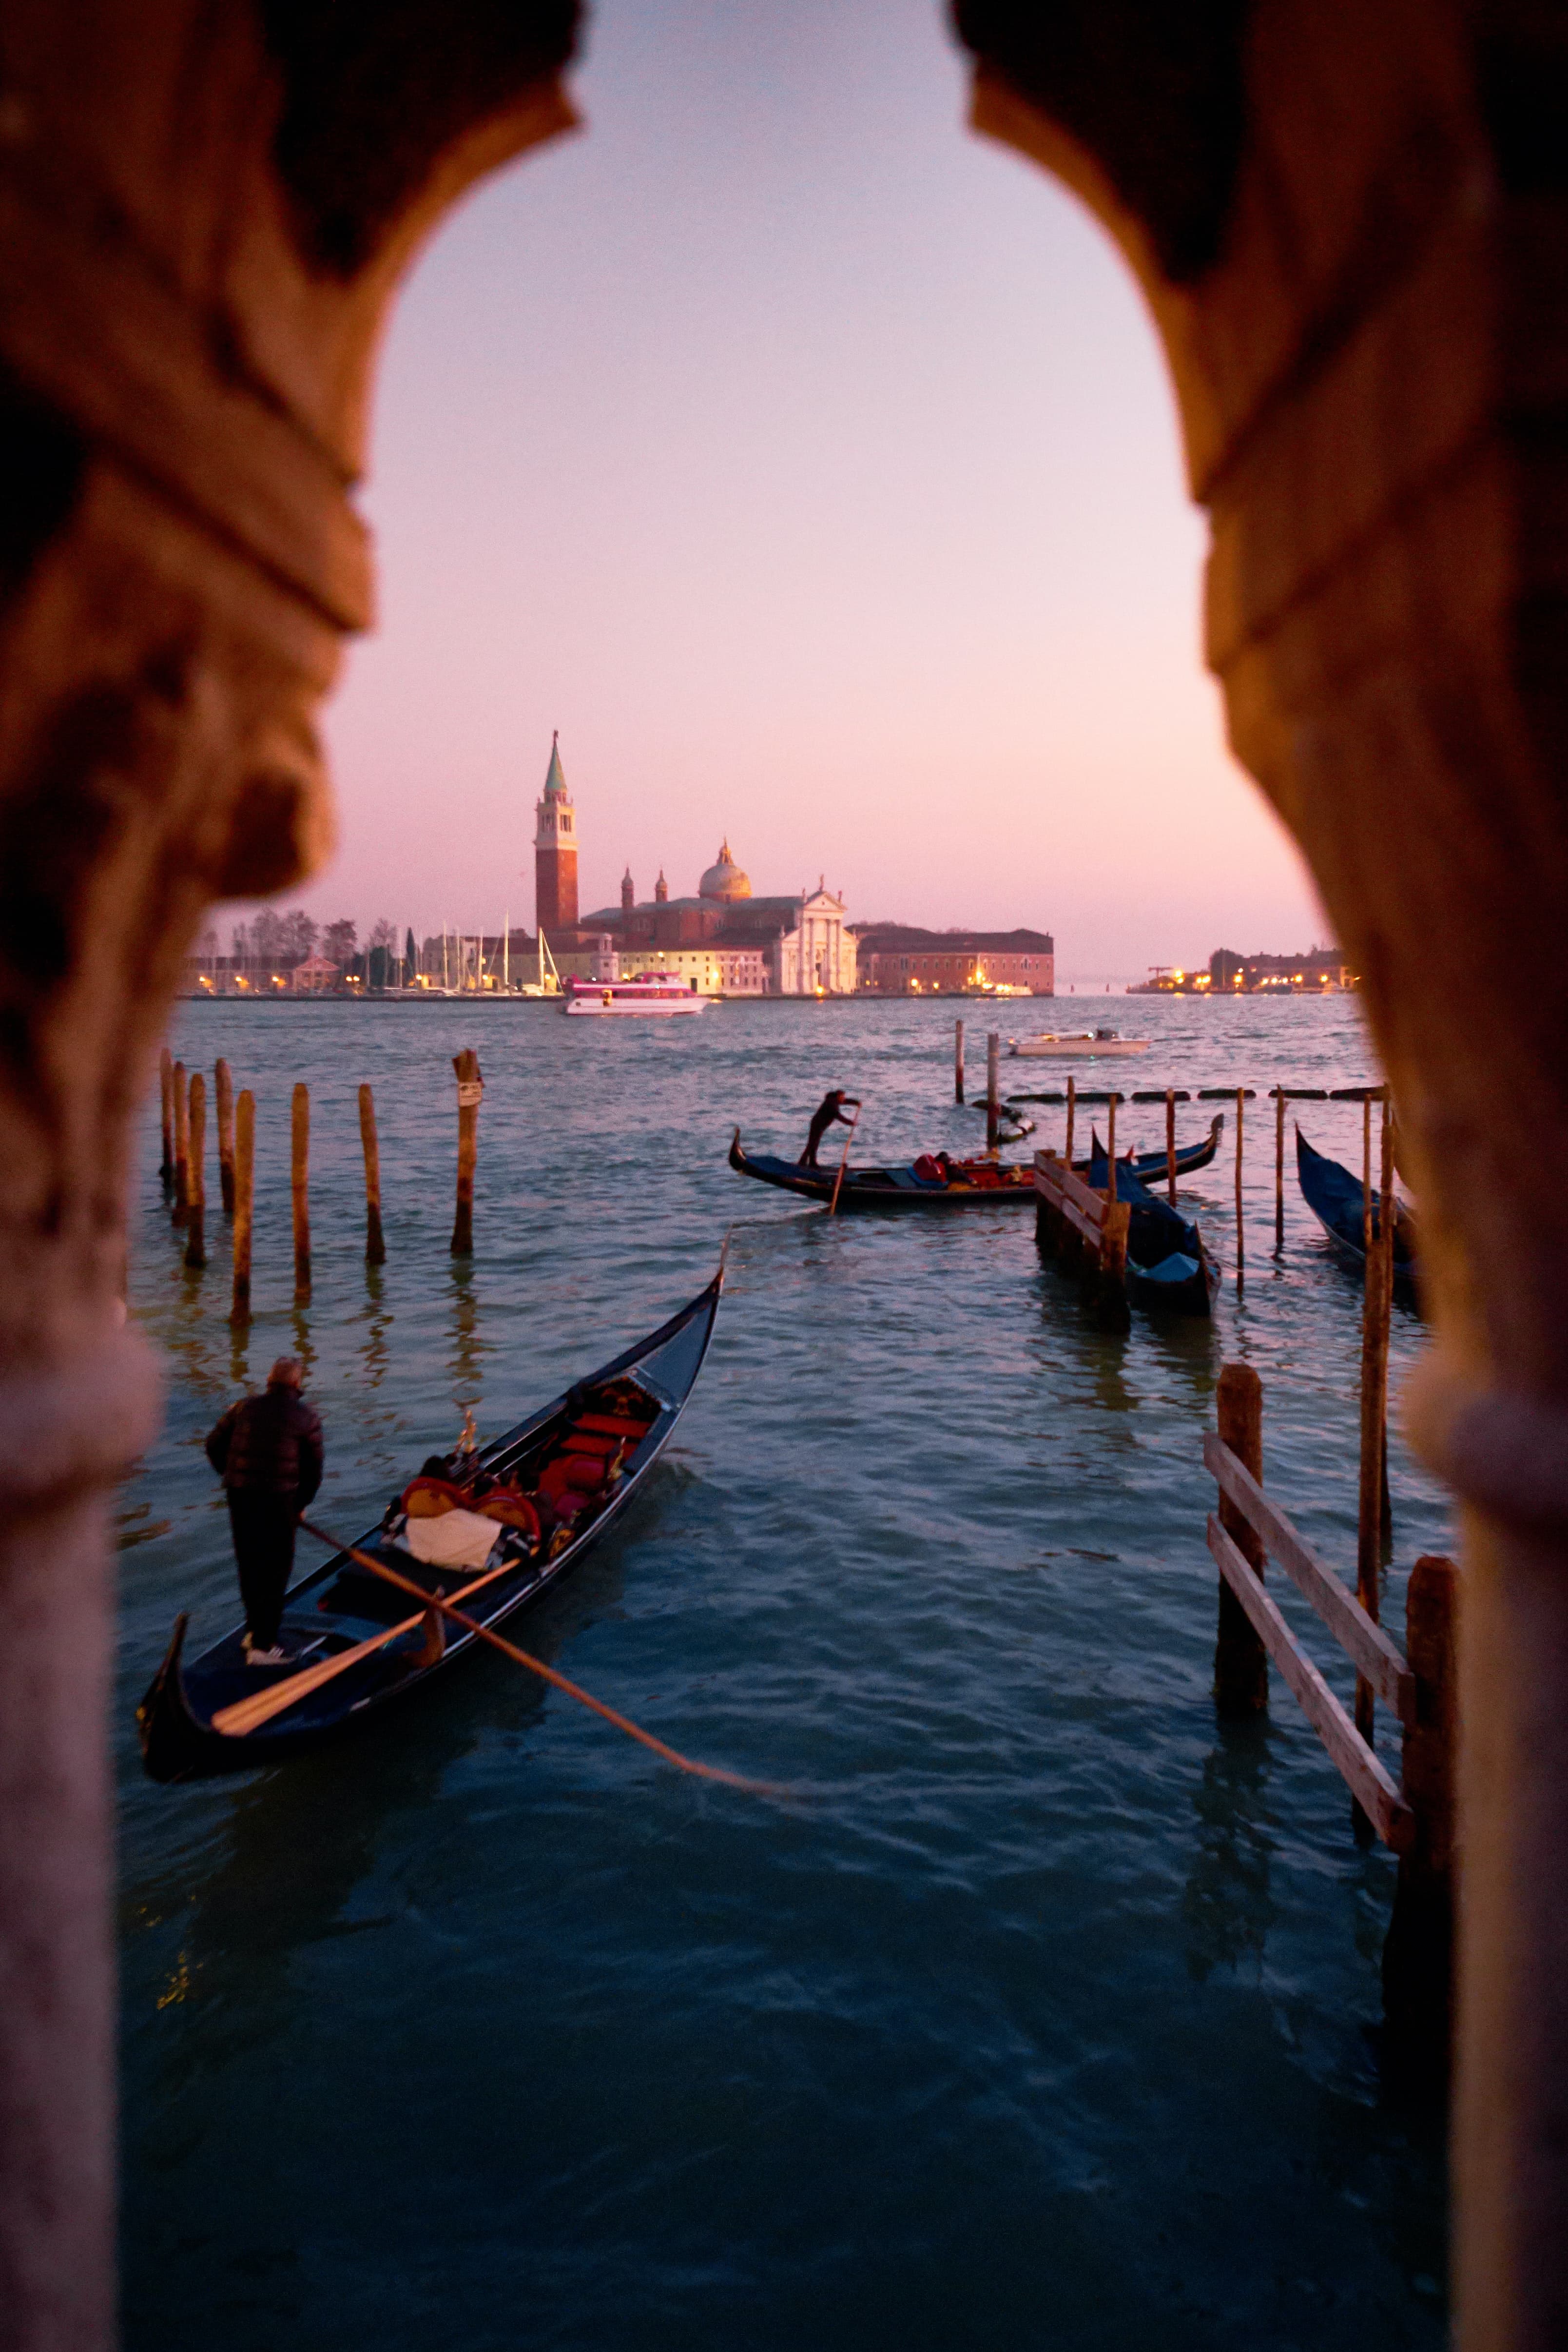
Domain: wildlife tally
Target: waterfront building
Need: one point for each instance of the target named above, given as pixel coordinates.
(1319, 970)
(732, 942)
(897, 959)
(555, 852)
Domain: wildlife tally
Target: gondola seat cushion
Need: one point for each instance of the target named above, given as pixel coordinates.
(510, 1508)
(430, 1498)
(567, 1483)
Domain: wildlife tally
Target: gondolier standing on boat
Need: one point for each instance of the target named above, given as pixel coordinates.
(829, 1108)
(269, 1452)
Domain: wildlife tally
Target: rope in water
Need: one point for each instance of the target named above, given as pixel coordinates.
(547, 1674)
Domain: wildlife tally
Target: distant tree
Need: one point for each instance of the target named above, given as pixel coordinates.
(298, 937)
(381, 956)
(239, 945)
(267, 945)
(340, 942)
(410, 959)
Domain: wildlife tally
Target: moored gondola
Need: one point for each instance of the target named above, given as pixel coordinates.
(1168, 1267)
(550, 1487)
(1336, 1199)
(1151, 1167)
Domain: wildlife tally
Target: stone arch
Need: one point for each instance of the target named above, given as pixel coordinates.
(1349, 224)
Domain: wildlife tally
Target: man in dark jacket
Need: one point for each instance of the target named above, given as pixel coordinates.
(829, 1108)
(268, 1449)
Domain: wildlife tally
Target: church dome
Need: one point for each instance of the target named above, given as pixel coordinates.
(724, 880)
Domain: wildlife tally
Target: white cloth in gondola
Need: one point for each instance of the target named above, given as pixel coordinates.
(455, 1539)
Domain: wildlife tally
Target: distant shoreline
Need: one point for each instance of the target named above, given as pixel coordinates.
(552, 1003)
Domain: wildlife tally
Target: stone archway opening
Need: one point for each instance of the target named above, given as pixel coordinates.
(878, 451)
(1349, 227)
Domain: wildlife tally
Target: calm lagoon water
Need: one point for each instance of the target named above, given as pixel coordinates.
(1044, 2013)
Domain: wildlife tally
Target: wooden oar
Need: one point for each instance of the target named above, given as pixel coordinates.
(248, 1713)
(844, 1163)
(547, 1674)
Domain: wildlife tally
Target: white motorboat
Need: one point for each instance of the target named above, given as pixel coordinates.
(657, 995)
(1090, 1046)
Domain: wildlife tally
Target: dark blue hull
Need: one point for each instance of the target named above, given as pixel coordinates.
(1334, 1197)
(336, 1607)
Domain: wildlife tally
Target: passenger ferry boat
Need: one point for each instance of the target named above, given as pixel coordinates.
(658, 994)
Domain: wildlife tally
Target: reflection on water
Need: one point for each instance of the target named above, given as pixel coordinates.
(1227, 1907)
(486, 2028)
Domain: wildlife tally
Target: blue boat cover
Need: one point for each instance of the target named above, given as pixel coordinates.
(1156, 1235)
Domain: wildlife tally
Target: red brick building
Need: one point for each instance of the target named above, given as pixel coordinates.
(897, 960)
(555, 852)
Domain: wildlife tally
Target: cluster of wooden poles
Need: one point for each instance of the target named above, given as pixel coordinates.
(184, 1167)
(1374, 1513)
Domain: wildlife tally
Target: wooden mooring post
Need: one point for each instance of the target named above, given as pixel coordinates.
(993, 1049)
(224, 1089)
(1071, 1110)
(470, 1091)
(1418, 1953)
(1377, 1303)
(1111, 1145)
(299, 1190)
(1241, 1661)
(166, 1091)
(958, 1061)
(1241, 1225)
(196, 1174)
(245, 1204)
(1080, 1223)
(179, 1208)
(1170, 1144)
(375, 1244)
(1279, 1169)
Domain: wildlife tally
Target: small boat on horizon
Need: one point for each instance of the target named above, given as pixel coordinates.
(658, 995)
(508, 1519)
(1088, 1045)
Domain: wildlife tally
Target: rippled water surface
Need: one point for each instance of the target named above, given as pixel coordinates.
(1045, 2012)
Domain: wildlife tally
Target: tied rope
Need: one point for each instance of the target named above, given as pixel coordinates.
(547, 1674)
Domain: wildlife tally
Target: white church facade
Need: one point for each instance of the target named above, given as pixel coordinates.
(729, 942)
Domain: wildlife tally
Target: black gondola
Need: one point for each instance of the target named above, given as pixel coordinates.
(1150, 1167)
(1168, 1267)
(967, 1182)
(1335, 1198)
(538, 1483)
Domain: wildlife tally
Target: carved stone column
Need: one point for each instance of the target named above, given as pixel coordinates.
(204, 213)
(1352, 228)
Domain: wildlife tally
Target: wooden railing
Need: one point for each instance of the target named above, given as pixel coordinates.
(1375, 1655)
(1413, 1816)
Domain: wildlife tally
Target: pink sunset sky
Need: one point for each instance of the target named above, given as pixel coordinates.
(810, 464)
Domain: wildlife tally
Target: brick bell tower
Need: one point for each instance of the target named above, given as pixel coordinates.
(555, 852)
